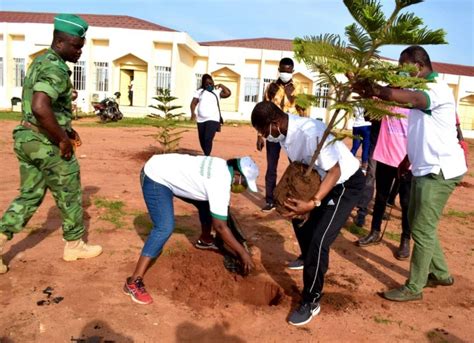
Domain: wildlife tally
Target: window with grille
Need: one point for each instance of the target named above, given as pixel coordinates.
(18, 71)
(321, 92)
(1, 71)
(79, 76)
(266, 82)
(163, 77)
(251, 89)
(101, 76)
(198, 80)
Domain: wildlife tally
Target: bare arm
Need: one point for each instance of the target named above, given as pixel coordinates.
(221, 228)
(225, 91)
(43, 112)
(416, 99)
(194, 103)
(260, 142)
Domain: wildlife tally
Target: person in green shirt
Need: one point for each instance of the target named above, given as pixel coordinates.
(44, 143)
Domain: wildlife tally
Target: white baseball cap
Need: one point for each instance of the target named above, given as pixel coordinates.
(250, 170)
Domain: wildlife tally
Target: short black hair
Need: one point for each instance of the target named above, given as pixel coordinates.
(233, 162)
(59, 36)
(417, 54)
(264, 113)
(204, 78)
(286, 61)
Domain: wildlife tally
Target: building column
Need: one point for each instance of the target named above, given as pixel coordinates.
(174, 66)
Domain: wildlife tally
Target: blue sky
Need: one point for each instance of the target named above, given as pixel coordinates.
(208, 20)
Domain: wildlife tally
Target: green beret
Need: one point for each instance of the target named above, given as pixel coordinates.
(70, 24)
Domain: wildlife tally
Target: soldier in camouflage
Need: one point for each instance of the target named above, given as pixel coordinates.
(44, 143)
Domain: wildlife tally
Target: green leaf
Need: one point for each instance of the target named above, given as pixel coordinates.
(360, 42)
(405, 3)
(324, 52)
(369, 15)
(407, 30)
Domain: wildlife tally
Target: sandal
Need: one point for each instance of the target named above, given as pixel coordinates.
(206, 246)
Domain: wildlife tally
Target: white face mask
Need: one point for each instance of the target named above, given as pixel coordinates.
(285, 77)
(281, 137)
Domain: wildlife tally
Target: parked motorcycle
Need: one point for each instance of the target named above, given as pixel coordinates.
(108, 109)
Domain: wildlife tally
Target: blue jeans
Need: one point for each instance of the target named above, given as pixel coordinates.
(159, 202)
(364, 132)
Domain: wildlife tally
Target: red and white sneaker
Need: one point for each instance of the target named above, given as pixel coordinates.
(136, 290)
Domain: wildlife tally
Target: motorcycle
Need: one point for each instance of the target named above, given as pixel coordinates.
(108, 109)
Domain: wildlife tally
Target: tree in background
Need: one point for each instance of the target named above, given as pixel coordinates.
(167, 136)
(340, 64)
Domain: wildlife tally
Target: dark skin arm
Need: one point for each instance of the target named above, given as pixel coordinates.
(299, 207)
(403, 167)
(260, 142)
(225, 91)
(416, 99)
(193, 106)
(43, 112)
(221, 228)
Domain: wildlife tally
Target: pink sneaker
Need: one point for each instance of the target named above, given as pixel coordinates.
(137, 291)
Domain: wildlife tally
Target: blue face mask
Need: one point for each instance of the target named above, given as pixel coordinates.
(209, 88)
(281, 137)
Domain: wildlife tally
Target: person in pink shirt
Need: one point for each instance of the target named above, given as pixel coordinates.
(390, 150)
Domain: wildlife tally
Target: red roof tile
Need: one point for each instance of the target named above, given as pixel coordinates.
(287, 45)
(101, 20)
(255, 43)
(454, 69)
(128, 22)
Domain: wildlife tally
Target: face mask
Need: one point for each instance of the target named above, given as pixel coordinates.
(238, 187)
(285, 77)
(209, 88)
(281, 137)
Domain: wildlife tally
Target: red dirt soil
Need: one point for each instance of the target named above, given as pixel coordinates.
(195, 297)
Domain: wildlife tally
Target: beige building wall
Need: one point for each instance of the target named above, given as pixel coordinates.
(141, 54)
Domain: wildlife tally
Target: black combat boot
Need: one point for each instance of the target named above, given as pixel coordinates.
(403, 251)
(371, 239)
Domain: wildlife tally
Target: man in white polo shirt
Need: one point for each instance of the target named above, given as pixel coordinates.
(437, 163)
(342, 182)
(204, 181)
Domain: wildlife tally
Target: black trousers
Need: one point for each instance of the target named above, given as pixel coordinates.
(369, 188)
(385, 176)
(203, 208)
(319, 232)
(206, 131)
(273, 155)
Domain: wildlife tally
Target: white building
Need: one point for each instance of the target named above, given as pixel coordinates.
(121, 48)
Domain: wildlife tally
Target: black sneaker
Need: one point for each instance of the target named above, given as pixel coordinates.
(304, 313)
(268, 207)
(297, 264)
(359, 220)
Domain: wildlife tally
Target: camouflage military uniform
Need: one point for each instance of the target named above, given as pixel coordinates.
(41, 166)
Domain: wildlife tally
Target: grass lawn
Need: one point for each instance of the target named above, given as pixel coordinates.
(89, 121)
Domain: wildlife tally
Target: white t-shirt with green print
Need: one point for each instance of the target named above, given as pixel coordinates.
(203, 178)
(432, 138)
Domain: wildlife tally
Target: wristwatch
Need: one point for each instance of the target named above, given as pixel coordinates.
(316, 202)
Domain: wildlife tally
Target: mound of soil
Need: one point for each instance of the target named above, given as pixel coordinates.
(199, 279)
